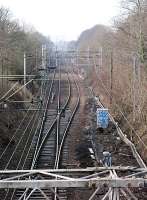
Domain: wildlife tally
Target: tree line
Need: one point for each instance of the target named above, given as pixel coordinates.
(122, 75)
(15, 39)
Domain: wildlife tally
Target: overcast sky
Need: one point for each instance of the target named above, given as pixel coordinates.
(63, 19)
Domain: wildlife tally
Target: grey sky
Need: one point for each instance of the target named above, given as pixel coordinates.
(63, 19)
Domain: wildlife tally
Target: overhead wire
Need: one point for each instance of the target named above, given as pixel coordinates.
(19, 89)
(33, 163)
(25, 147)
(18, 128)
(16, 91)
(42, 122)
(15, 133)
(7, 193)
(19, 141)
(4, 95)
(38, 125)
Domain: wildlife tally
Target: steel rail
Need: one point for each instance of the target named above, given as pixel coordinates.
(43, 121)
(13, 153)
(60, 146)
(39, 146)
(20, 160)
(26, 116)
(14, 135)
(68, 125)
(35, 118)
(35, 134)
(58, 126)
(58, 117)
(20, 140)
(42, 124)
(27, 141)
(53, 123)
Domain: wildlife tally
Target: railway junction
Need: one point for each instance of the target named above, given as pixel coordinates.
(59, 148)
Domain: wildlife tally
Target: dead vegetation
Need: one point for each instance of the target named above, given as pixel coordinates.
(121, 81)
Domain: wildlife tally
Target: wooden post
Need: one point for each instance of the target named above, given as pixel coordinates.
(24, 74)
(136, 85)
(111, 77)
(36, 59)
(2, 75)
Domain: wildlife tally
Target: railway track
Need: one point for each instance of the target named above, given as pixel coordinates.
(24, 130)
(48, 147)
(25, 134)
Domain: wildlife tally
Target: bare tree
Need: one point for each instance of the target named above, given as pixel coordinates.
(135, 8)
